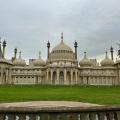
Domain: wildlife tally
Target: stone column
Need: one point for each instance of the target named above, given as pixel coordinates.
(76, 77)
(58, 72)
(65, 82)
(47, 80)
(51, 76)
(39, 79)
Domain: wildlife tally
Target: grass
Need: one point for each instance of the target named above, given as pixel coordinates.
(92, 94)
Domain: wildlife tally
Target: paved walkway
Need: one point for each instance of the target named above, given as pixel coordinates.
(48, 104)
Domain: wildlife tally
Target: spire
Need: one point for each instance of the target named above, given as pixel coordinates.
(85, 56)
(111, 50)
(106, 54)
(20, 55)
(62, 37)
(1, 54)
(39, 55)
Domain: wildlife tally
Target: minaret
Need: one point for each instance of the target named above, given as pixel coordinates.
(48, 46)
(4, 45)
(85, 56)
(62, 37)
(15, 53)
(111, 50)
(106, 54)
(1, 54)
(75, 45)
(39, 55)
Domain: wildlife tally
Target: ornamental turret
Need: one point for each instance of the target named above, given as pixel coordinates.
(111, 51)
(75, 45)
(48, 47)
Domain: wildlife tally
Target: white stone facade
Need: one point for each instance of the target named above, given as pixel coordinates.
(60, 68)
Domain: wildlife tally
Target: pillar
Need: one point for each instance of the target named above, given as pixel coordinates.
(72, 77)
(51, 76)
(58, 72)
(76, 77)
(65, 82)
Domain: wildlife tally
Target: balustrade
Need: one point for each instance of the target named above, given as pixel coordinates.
(98, 113)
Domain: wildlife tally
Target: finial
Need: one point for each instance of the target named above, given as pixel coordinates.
(106, 54)
(48, 44)
(20, 55)
(75, 44)
(39, 54)
(85, 56)
(4, 43)
(62, 37)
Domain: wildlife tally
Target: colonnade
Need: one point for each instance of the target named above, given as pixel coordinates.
(62, 76)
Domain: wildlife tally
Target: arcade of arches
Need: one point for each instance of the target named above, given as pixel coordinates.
(62, 77)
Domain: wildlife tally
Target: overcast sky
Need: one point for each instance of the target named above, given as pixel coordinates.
(29, 24)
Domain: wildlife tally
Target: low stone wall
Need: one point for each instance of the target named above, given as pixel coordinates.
(60, 113)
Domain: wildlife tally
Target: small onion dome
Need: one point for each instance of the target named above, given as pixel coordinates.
(107, 61)
(39, 61)
(85, 62)
(19, 61)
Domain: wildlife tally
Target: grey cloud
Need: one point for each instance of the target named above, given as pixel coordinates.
(29, 24)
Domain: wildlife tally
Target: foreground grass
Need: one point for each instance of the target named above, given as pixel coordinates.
(92, 94)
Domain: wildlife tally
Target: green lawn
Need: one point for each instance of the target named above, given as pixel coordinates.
(92, 94)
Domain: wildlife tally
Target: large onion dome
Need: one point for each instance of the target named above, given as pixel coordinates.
(85, 62)
(62, 52)
(19, 61)
(107, 61)
(39, 61)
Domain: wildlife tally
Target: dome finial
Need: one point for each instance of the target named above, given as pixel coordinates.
(62, 37)
(39, 54)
